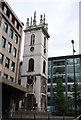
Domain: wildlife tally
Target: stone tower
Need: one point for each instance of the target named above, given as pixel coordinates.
(35, 63)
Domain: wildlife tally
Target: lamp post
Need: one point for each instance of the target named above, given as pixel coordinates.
(72, 41)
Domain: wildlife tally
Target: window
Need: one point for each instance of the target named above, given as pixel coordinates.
(0, 73)
(11, 79)
(48, 89)
(13, 66)
(8, 12)
(0, 20)
(13, 19)
(32, 39)
(7, 62)
(44, 66)
(3, 42)
(1, 58)
(5, 76)
(31, 65)
(9, 47)
(16, 39)
(11, 33)
(5, 27)
(44, 42)
(14, 52)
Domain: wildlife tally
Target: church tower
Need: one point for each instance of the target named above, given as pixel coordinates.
(35, 63)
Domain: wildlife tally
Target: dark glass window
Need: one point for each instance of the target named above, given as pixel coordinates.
(32, 39)
(13, 66)
(44, 67)
(17, 25)
(49, 80)
(16, 39)
(0, 73)
(1, 58)
(14, 52)
(59, 63)
(11, 33)
(31, 65)
(13, 19)
(5, 27)
(59, 70)
(5, 76)
(8, 12)
(3, 42)
(9, 47)
(48, 89)
(0, 20)
(7, 62)
(44, 42)
(11, 79)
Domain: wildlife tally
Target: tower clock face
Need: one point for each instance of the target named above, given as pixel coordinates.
(32, 49)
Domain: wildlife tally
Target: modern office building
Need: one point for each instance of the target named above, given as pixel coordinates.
(10, 42)
(10, 46)
(35, 63)
(62, 67)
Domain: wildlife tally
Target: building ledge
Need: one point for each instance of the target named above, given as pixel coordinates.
(13, 84)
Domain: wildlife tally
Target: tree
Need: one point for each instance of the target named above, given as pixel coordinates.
(78, 96)
(59, 98)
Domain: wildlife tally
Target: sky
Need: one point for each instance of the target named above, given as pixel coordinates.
(62, 17)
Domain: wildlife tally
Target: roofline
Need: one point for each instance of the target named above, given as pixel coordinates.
(7, 4)
(64, 57)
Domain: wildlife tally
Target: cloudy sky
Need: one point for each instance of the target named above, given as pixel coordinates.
(62, 17)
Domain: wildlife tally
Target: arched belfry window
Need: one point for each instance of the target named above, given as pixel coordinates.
(44, 66)
(32, 39)
(31, 65)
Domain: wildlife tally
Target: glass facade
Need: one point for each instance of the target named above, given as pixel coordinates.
(63, 67)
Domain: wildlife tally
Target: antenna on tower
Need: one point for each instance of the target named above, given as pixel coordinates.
(31, 22)
(40, 19)
(44, 19)
(34, 21)
(27, 23)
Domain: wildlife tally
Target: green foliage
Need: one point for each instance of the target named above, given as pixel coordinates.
(78, 95)
(59, 98)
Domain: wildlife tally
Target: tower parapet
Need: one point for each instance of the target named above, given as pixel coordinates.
(32, 24)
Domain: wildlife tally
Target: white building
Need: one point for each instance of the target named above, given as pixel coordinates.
(35, 63)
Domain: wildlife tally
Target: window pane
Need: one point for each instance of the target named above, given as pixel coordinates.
(0, 73)
(0, 20)
(16, 39)
(5, 76)
(1, 58)
(14, 52)
(7, 62)
(13, 66)
(11, 79)
(5, 27)
(11, 33)
(9, 47)
(3, 42)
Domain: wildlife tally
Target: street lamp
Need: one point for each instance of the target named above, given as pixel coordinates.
(72, 41)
